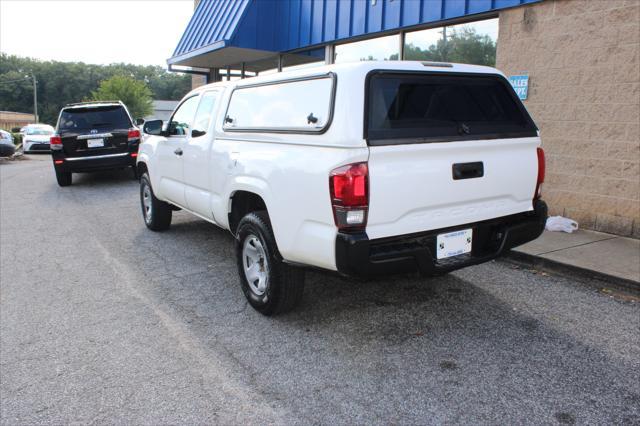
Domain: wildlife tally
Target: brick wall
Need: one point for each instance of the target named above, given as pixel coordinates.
(582, 57)
(10, 119)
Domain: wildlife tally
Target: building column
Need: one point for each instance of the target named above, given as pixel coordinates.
(329, 54)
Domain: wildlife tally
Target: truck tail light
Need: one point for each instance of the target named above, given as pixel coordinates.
(541, 171)
(349, 187)
(55, 143)
(134, 134)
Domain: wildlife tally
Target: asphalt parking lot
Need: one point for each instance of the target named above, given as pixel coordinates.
(103, 321)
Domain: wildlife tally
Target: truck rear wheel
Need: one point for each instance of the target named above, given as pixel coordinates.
(156, 213)
(270, 285)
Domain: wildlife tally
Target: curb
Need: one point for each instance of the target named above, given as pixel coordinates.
(570, 270)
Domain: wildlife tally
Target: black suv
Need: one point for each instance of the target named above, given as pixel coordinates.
(91, 136)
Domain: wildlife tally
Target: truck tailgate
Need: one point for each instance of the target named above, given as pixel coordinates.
(414, 187)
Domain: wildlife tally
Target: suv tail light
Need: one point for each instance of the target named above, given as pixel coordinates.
(349, 187)
(541, 171)
(133, 135)
(55, 143)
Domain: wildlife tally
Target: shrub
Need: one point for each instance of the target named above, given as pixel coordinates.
(17, 138)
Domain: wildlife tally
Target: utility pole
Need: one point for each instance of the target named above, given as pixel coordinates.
(444, 44)
(35, 97)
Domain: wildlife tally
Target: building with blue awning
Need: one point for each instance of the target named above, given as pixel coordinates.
(259, 35)
(575, 64)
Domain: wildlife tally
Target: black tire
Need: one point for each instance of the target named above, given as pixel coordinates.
(63, 178)
(284, 283)
(156, 214)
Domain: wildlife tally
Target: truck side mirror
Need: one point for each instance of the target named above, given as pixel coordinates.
(153, 127)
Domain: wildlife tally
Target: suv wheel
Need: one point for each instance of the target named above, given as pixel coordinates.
(63, 178)
(156, 213)
(270, 285)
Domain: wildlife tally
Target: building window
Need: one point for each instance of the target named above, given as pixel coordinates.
(305, 59)
(471, 43)
(377, 49)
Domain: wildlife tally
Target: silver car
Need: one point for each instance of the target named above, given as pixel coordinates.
(7, 147)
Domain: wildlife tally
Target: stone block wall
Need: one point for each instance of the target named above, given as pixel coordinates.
(582, 57)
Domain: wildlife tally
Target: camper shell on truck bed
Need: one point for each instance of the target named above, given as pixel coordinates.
(363, 168)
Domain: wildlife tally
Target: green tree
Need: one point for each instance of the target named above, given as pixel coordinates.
(60, 83)
(134, 93)
(461, 45)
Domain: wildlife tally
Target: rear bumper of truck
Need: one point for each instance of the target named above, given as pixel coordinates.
(357, 255)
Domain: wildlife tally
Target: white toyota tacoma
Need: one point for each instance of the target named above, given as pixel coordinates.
(366, 169)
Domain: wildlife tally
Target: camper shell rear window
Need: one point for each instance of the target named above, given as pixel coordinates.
(427, 107)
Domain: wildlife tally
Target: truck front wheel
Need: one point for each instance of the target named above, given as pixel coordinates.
(156, 213)
(270, 285)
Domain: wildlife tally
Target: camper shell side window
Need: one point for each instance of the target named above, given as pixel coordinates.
(300, 105)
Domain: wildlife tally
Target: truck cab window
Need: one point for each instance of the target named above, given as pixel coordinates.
(203, 115)
(180, 123)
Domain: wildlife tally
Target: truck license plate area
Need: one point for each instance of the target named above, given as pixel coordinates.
(454, 243)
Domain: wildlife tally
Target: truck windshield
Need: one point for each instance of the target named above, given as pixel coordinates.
(113, 116)
(414, 108)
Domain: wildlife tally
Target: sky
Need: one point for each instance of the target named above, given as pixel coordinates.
(143, 32)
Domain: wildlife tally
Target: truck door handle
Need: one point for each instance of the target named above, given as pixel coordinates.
(178, 151)
(467, 170)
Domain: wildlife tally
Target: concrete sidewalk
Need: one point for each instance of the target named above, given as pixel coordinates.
(606, 256)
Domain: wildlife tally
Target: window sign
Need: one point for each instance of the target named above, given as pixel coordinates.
(520, 84)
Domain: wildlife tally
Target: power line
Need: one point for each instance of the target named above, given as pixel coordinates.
(14, 81)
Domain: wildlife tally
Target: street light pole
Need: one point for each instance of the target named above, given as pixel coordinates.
(35, 97)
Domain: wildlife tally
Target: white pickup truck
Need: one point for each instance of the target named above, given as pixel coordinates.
(366, 169)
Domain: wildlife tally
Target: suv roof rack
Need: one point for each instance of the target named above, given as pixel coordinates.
(92, 102)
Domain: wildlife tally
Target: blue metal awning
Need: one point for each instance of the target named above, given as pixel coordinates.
(227, 32)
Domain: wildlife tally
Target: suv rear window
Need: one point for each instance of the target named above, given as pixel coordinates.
(113, 116)
(430, 107)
